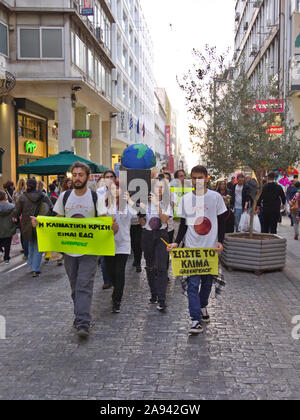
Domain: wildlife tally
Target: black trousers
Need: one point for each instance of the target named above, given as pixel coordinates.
(156, 257)
(6, 244)
(136, 239)
(115, 267)
(270, 221)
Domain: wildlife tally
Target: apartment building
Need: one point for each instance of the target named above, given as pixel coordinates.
(59, 55)
(267, 35)
(134, 80)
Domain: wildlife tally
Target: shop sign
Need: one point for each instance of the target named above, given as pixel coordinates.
(30, 146)
(266, 105)
(87, 8)
(81, 134)
(123, 120)
(275, 130)
(7, 82)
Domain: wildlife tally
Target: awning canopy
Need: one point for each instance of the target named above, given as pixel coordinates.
(58, 165)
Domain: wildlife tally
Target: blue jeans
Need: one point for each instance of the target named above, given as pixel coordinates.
(104, 272)
(237, 217)
(34, 256)
(198, 298)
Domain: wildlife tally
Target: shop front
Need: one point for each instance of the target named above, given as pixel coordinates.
(31, 133)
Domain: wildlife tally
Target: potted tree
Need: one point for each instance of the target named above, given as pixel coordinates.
(233, 126)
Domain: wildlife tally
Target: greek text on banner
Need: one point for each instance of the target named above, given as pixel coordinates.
(194, 262)
(76, 236)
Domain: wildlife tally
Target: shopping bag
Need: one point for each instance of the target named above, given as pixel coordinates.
(256, 224)
(244, 224)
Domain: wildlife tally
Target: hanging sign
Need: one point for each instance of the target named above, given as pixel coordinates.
(7, 82)
(264, 105)
(275, 130)
(123, 122)
(87, 8)
(168, 140)
(30, 146)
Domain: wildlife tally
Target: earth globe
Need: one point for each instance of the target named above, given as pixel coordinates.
(138, 156)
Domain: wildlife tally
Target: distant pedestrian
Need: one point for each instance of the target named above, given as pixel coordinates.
(52, 193)
(272, 199)
(203, 226)
(295, 209)
(222, 189)
(9, 188)
(7, 225)
(230, 185)
(32, 203)
(239, 200)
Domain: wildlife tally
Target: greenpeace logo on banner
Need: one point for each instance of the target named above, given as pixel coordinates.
(262, 106)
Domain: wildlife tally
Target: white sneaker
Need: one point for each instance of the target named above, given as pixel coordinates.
(196, 328)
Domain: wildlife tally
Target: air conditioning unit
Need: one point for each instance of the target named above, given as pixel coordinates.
(99, 32)
(246, 26)
(237, 17)
(254, 49)
(235, 56)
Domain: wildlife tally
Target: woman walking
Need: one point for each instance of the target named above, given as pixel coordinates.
(115, 266)
(222, 189)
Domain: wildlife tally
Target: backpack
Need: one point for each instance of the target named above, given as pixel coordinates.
(94, 197)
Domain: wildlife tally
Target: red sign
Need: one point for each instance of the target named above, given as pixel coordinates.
(275, 130)
(168, 140)
(262, 106)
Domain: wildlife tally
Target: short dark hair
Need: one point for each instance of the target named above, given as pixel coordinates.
(2, 195)
(296, 176)
(199, 170)
(81, 165)
(240, 176)
(52, 187)
(176, 175)
(271, 175)
(8, 184)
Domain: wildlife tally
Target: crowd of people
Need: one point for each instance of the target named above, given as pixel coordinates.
(151, 229)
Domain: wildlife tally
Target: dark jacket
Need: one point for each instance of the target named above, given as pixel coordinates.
(245, 197)
(32, 204)
(290, 192)
(7, 226)
(271, 198)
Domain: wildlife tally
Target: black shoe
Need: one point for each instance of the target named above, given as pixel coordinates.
(161, 306)
(116, 308)
(36, 273)
(153, 300)
(83, 332)
(205, 316)
(106, 286)
(134, 264)
(196, 328)
(138, 269)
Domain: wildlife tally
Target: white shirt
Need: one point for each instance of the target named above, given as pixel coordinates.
(80, 207)
(238, 204)
(153, 221)
(122, 238)
(201, 214)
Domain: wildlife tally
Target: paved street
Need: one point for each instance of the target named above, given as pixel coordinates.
(246, 352)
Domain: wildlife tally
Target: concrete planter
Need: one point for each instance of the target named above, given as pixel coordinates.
(265, 252)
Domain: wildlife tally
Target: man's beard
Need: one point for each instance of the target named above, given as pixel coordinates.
(80, 187)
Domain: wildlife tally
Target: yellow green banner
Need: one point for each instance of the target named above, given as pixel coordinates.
(179, 193)
(194, 262)
(76, 236)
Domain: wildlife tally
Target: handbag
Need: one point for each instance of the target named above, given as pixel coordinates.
(244, 224)
(294, 206)
(256, 224)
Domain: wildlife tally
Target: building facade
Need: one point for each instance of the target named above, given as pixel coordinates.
(61, 60)
(134, 80)
(267, 35)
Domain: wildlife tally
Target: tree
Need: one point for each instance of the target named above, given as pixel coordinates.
(232, 122)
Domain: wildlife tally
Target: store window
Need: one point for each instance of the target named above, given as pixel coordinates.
(41, 43)
(3, 39)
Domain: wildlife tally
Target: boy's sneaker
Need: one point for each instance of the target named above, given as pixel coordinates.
(161, 306)
(116, 308)
(35, 274)
(205, 316)
(83, 332)
(6, 261)
(153, 300)
(196, 328)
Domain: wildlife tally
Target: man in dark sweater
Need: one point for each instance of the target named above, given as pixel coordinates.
(272, 199)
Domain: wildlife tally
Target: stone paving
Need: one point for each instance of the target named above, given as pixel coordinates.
(246, 352)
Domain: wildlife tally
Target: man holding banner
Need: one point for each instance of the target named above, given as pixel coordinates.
(80, 203)
(202, 213)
